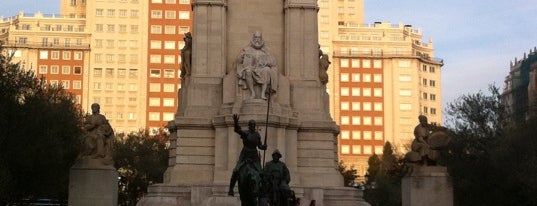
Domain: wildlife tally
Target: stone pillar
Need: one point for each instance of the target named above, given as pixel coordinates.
(93, 187)
(427, 186)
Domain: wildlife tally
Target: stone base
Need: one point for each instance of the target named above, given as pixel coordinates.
(427, 186)
(216, 195)
(93, 187)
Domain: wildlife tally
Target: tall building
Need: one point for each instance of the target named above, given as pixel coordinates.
(122, 54)
(55, 47)
(520, 91)
(382, 77)
(169, 20)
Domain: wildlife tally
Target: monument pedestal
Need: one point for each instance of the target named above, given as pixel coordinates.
(427, 186)
(210, 195)
(93, 186)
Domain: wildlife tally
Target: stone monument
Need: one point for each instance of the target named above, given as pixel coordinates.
(242, 52)
(93, 180)
(427, 182)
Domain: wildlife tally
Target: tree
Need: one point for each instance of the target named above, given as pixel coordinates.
(383, 186)
(40, 127)
(476, 123)
(141, 160)
(349, 173)
(489, 158)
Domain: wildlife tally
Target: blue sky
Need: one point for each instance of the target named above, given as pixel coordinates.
(476, 38)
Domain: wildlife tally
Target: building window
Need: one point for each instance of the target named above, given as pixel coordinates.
(111, 12)
(156, 14)
(378, 150)
(43, 54)
(169, 88)
(344, 91)
(366, 92)
(134, 29)
(169, 29)
(367, 121)
(66, 69)
(356, 149)
(366, 106)
(133, 73)
(156, 1)
(366, 77)
(356, 134)
(367, 135)
(405, 107)
(432, 69)
(425, 110)
(42, 69)
(377, 92)
(155, 58)
(156, 29)
(167, 116)
(77, 84)
(355, 77)
(344, 77)
(377, 121)
(433, 111)
(122, 13)
(55, 69)
(66, 55)
(169, 59)
(65, 84)
(154, 44)
(170, 1)
(377, 78)
(54, 55)
(432, 97)
(377, 106)
(154, 87)
(432, 83)
(169, 73)
(424, 81)
(345, 120)
(77, 70)
(366, 63)
(424, 95)
(97, 72)
(184, 15)
(169, 45)
(132, 116)
(355, 92)
(134, 13)
(378, 135)
(344, 106)
(78, 55)
(184, 1)
(170, 14)
(368, 150)
(344, 63)
(99, 12)
(345, 149)
(356, 106)
(356, 121)
(183, 29)
(377, 64)
(345, 134)
(168, 102)
(405, 93)
(405, 78)
(155, 73)
(154, 102)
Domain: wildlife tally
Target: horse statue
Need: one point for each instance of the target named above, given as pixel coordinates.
(249, 184)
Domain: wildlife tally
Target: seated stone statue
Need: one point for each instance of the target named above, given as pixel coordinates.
(256, 66)
(99, 137)
(429, 139)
